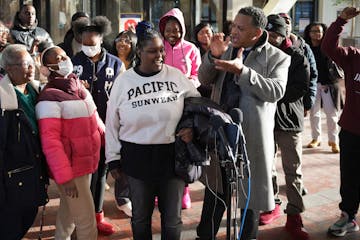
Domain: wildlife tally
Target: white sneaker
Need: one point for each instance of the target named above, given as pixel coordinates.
(126, 208)
(343, 226)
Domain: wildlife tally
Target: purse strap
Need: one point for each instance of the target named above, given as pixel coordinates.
(42, 218)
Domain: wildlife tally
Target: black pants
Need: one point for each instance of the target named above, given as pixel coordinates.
(213, 211)
(15, 221)
(98, 180)
(349, 172)
(142, 194)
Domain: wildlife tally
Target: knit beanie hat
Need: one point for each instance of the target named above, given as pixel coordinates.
(276, 24)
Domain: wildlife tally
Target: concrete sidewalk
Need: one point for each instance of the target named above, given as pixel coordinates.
(321, 178)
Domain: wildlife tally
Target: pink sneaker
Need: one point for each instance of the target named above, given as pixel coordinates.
(186, 200)
(269, 217)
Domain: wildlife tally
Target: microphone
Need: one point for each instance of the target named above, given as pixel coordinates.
(237, 116)
(233, 130)
(218, 124)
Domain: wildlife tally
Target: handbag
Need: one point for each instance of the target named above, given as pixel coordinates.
(335, 72)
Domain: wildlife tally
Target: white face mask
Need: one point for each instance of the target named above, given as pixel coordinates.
(91, 51)
(65, 67)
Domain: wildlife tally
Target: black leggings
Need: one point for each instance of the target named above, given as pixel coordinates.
(98, 181)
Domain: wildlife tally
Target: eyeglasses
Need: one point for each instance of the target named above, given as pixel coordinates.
(316, 31)
(4, 30)
(25, 64)
(287, 20)
(123, 40)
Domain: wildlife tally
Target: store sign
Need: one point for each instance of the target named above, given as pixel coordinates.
(128, 20)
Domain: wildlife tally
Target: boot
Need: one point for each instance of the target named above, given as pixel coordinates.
(103, 227)
(334, 147)
(295, 227)
(314, 143)
(186, 200)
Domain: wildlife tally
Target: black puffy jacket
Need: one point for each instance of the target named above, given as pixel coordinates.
(289, 114)
(197, 115)
(26, 36)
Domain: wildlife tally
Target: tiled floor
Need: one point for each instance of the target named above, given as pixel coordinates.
(321, 178)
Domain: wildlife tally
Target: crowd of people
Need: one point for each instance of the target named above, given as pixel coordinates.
(99, 107)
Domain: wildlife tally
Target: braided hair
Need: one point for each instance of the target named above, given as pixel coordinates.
(145, 32)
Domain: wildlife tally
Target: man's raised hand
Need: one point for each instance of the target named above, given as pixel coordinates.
(234, 66)
(218, 45)
(349, 12)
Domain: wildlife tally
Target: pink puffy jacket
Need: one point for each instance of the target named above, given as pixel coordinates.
(71, 133)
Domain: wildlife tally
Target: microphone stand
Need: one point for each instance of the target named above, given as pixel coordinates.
(229, 158)
(232, 176)
(234, 171)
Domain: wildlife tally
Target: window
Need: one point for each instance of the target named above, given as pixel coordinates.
(303, 15)
(60, 14)
(211, 12)
(8, 10)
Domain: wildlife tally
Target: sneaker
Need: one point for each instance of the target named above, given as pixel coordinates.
(314, 143)
(126, 208)
(343, 226)
(334, 147)
(294, 226)
(269, 217)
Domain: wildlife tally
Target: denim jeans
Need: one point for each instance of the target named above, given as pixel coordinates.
(142, 194)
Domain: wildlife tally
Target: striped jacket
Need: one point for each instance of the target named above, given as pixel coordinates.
(70, 129)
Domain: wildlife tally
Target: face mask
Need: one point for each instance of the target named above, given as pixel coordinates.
(65, 67)
(91, 51)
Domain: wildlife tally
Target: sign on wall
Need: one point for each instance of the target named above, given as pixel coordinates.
(128, 20)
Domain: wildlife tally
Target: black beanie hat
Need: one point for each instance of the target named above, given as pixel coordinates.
(276, 24)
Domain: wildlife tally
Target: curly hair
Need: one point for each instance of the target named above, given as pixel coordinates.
(79, 24)
(103, 24)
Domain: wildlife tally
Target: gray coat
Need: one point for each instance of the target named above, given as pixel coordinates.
(262, 83)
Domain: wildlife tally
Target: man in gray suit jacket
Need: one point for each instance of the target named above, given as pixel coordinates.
(245, 72)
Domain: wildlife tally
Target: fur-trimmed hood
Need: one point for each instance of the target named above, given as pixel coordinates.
(8, 98)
